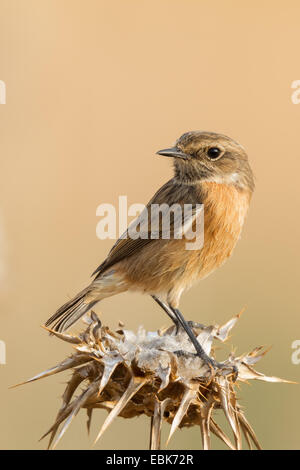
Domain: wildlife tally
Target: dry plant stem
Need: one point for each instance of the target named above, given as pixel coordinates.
(130, 374)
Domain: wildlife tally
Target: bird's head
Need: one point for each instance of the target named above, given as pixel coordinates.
(207, 156)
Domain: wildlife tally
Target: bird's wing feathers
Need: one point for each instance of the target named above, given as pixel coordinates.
(171, 193)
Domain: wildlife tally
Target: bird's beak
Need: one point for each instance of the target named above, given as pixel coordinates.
(173, 152)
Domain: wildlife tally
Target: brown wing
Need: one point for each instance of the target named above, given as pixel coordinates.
(171, 193)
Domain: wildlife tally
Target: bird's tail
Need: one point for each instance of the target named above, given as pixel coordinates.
(70, 312)
(107, 285)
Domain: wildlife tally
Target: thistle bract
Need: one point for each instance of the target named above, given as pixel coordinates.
(156, 374)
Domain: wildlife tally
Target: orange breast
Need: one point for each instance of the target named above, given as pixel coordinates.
(225, 209)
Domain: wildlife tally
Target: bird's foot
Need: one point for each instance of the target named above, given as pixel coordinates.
(192, 324)
(185, 354)
(228, 369)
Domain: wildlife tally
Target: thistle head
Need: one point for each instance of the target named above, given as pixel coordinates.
(156, 374)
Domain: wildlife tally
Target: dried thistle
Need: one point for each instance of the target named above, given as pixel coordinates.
(132, 374)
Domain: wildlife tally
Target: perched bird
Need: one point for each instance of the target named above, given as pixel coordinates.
(209, 169)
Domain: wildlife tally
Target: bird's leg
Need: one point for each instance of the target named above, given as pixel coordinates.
(183, 323)
(200, 351)
(177, 317)
(168, 311)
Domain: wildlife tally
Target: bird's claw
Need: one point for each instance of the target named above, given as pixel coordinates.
(211, 363)
(231, 368)
(186, 354)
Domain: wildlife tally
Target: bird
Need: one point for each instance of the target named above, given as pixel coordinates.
(211, 171)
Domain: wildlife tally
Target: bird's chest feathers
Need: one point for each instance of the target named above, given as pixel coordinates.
(225, 209)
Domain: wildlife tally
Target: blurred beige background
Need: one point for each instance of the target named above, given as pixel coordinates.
(94, 89)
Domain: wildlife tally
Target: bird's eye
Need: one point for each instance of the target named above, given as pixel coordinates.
(213, 153)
